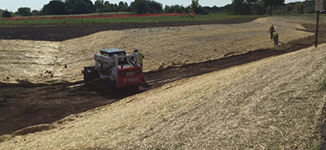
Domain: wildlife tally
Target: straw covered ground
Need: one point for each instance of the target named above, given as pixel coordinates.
(273, 103)
(26, 61)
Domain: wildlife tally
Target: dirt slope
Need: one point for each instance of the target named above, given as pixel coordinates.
(273, 103)
(39, 62)
(269, 104)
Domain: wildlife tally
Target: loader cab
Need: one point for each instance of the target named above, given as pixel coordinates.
(117, 67)
(112, 52)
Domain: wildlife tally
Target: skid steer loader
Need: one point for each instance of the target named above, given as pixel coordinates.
(114, 69)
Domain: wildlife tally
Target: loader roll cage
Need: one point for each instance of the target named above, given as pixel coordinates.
(121, 61)
(113, 69)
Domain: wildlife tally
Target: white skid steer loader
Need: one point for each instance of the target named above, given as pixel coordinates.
(114, 69)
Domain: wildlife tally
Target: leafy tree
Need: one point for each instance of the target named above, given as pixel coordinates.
(271, 3)
(90, 6)
(79, 6)
(24, 11)
(54, 7)
(146, 6)
(109, 7)
(121, 3)
(175, 9)
(235, 7)
(309, 10)
(194, 5)
(257, 10)
(99, 5)
(123, 6)
(299, 7)
(139, 7)
(6, 14)
(309, 6)
(288, 8)
(255, 7)
(240, 7)
(196, 8)
(155, 7)
(36, 13)
(216, 9)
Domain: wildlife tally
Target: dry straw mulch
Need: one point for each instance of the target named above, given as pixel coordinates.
(273, 103)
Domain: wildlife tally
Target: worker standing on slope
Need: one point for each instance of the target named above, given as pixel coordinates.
(140, 56)
(275, 38)
(271, 30)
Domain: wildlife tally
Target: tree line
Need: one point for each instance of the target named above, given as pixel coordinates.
(59, 7)
(237, 7)
(270, 7)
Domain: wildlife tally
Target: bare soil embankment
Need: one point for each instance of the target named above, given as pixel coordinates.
(23, 61)
(275, 98)
(51, 62)
(272, 103)
(37, 62)
(46, 104)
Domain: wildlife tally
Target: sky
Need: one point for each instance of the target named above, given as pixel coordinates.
(13, 5)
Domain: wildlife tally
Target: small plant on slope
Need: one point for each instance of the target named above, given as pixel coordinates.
(322, 83)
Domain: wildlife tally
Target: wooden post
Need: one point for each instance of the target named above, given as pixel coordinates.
(317, 25)
(318, 8)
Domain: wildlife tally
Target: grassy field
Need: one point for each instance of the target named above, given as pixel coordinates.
(210, 17)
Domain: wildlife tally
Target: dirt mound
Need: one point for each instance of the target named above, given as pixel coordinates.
(272, 103)
(50, 62)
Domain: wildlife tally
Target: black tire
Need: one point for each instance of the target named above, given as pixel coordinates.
(111, 86)
(89, 86)
(98, 85)
(90, 74)
(104, 86)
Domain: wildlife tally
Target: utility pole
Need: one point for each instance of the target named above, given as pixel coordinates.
(317, 24)
(318, 8)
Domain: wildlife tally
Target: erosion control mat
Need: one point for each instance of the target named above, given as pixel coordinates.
(271, 103)
(28, 104)
(43, 104)
(28, 61)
